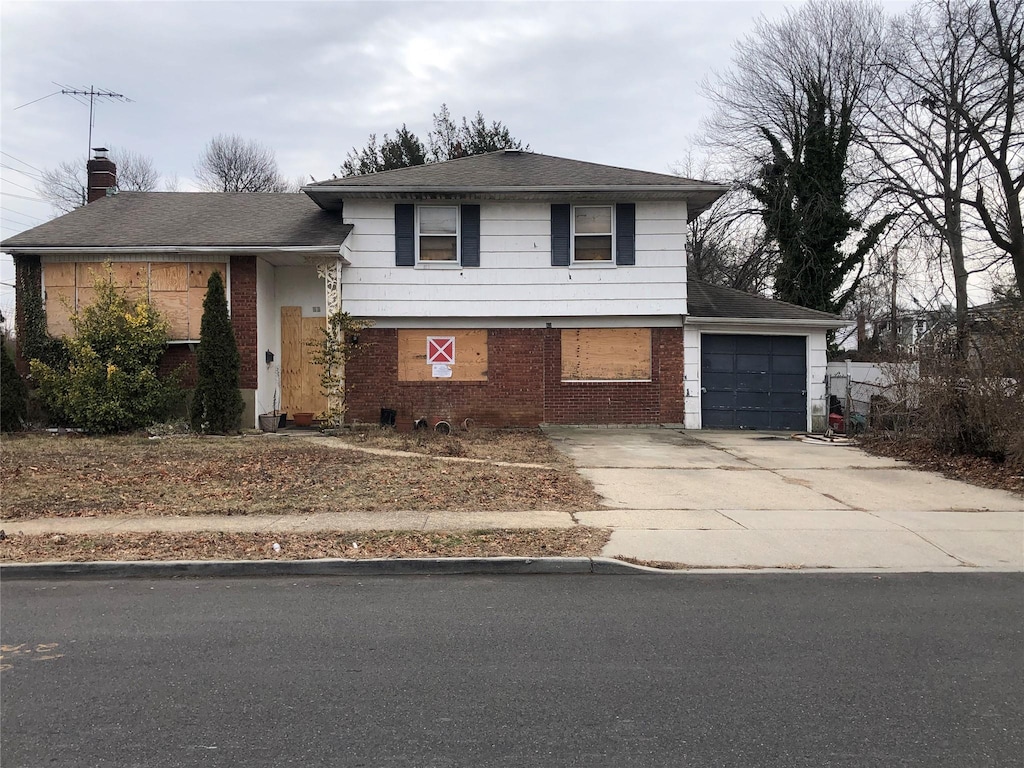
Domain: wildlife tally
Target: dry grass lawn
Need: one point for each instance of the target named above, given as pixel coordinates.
(63, 476)
(571, 542)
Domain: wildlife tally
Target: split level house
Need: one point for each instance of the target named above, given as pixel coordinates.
(510, 288)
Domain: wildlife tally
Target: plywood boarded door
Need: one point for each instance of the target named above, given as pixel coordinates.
(300, 376)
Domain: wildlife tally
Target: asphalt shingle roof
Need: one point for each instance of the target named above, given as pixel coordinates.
(511, 169)
(190, 219)
(707, 300)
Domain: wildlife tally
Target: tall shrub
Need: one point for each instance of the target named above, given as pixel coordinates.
(109, 382)
(12, 391)
(217, 404)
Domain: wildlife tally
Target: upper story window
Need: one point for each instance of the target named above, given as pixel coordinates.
(437, 236)
(592, 233)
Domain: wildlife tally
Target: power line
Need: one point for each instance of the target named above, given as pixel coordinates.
(24, 197)
(17, 160)
(23, 173)
(16, 184)
(23, 214)
(20, 219)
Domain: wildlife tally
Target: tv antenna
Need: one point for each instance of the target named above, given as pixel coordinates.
(93, 94)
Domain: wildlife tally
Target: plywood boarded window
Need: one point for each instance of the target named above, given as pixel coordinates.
(176, 290)
(606, 354)
(470, 355)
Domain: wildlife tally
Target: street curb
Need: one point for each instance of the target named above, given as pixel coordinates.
(326, 567)
(424, 566)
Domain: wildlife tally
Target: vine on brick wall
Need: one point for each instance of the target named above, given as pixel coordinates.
(338, 341)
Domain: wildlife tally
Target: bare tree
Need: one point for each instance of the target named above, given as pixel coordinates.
(135, 172)
(928, 112)
(726, 245)
(991, 113)
(64, 187)
(786, 114)
(233, 164)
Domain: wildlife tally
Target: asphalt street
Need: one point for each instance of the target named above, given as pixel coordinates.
(759, 670)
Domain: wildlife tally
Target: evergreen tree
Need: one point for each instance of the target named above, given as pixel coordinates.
(217, 403)
(803, 198)
(12, 391)
(447, 140)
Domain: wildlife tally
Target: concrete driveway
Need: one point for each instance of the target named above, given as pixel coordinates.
(753, 499)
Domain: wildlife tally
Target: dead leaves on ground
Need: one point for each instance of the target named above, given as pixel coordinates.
(558, 542)
(48, 476)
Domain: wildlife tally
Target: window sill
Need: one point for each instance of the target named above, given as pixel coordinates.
(438, 265)
(606, 381)
(593, 265)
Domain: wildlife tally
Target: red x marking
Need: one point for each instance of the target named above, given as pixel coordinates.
(441, 349)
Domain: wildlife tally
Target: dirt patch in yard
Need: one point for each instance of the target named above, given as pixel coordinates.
(977, 470)
(61, 476)
(570, 542)
(528, 446)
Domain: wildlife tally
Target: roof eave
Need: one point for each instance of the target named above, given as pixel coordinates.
(808, 322)
(227, 250)
(697, 196)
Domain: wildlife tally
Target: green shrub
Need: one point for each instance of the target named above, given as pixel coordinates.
(110, 381)
(217, 403)
(13, 396)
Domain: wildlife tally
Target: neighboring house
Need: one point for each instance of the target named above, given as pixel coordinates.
(510, 288)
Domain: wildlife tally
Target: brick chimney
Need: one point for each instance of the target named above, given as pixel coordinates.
(102, 175)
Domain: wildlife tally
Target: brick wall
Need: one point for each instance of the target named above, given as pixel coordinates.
(179, 356)
(243, 316)
(657, 401)
(524, 386)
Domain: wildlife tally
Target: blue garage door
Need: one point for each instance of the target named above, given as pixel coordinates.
(753, 382)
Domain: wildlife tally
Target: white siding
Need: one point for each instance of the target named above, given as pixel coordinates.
(515, 278)
(817, 360)
(268, 336)
(278, 287)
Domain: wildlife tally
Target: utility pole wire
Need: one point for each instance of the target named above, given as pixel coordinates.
(15, 159)
(23, 173)
(16, 184)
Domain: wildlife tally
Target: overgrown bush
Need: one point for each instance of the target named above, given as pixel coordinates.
(975, 405)
(217, 403)
(110, 382)
(13, 396)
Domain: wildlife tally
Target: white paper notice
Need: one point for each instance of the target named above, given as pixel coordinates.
(442, 371)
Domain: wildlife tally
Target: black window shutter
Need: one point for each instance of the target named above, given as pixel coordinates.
(405, 235)
(470, 236)
(625, 234)
(560, 234)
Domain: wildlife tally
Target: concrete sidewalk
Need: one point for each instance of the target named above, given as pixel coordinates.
(324, 522)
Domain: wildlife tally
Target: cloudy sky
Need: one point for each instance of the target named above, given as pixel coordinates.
(608, 82)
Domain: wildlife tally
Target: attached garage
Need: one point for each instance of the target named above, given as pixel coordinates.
(753, 382)
(753, 363)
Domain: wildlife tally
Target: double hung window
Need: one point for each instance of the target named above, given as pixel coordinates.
(437, 233)
(592, 233)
